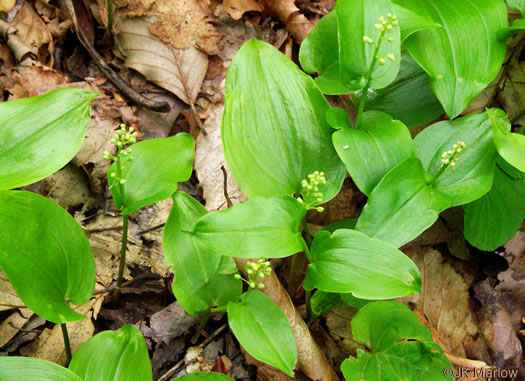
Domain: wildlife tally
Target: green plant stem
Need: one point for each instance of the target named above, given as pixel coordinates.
(109, 4)
(122, 263)
(67, 344)
(292, 275)
(441, 171)
(368, 77)
(204, 320)
(308, 304)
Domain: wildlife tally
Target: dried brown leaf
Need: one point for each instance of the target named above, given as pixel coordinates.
(8, 298)
(12, 325)
(7, 5)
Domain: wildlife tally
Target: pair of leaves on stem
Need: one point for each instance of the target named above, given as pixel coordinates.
(119, 355)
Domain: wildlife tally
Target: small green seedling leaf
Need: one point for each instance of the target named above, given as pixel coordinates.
(151, 171)
(402, 205)
(202, 279)
(516, 27)
(493, 219)
(510, 146)
(322, 302)
(464, 56)
(258, 228)
(119, 355)
(15, 368)
(274, 130)
(264, 331)
(471, 177)
(359, 38)
(349, 261)
(352, 301)
(370, 151)
(40, 135)
(409, 98)
(400, 347)
(46, 255)
(204, 376)
(319, 54)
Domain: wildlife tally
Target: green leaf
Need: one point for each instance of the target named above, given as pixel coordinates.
(352, 301)
(349, 261)
(464, 56)
(322, 302)
(494, 218)
(356, 56)
(402, 205)
(15, 368)
(119, 355)
(517, 5)
(274, 130)
(152, 171)
(202, 279)
(517, 25)
(40, 135)
(338, 118)
(369, 152)
(319, 54)
(46, 255)
(258, 228)
(399, 100)
(401, 348)
(347, 223)
(472, 176)
(411, 22)
(510, 146)
(204, 376)
(263, 330)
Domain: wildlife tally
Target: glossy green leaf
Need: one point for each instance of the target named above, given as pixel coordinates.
(319, 54)
(119, 355)
(411, 22)
(402, 205)
(409, 98)
(258, 228)
(352, 301)
(356, 56)
(493, 219)
(472, 176)
(369, 152)
(510, 146)
(202, 279)
(15, 368)
(274, 130)
(322, 302)
(46, 255)
(349, 261)
(464, 56)
(152, 171)
(347, 223)
(40, 135)
(338, 118)
(505, 33)
(204, 376)
(263, 330)
(400, 347)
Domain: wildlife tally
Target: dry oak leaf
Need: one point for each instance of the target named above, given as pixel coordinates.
(180, 71)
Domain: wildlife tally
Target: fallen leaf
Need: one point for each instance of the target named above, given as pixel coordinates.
(512, 96)
(236, 8)
(12, 325)
(7, 5)
(8, 298)
(180, 71)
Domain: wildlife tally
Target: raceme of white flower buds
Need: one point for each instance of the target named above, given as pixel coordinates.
(311, 189)
(450, 157)
(256, 270)
(385, 25)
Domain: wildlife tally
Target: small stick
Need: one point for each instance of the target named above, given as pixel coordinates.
(225, 187)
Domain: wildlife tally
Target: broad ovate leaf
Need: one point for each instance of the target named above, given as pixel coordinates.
(409, 98)
(151, 171)
(402, 205)
(348, 261)
(464, 56)
(370, 151)
(322, 302)
(40, 135)
(357, 20)
(510, 146)
(399, 346)
(202, 279)
(493, 219)
(204, 376)
(319, 54)
(119, 355)
(46, 255)
(274, 131)
(259, 228)
(471, 177)
(263, 330)
(15, 368)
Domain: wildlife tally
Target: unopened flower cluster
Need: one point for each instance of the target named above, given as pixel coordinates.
(256, 270)
(385, 25)
(122, 138)
(451, 157)
(311, 189)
